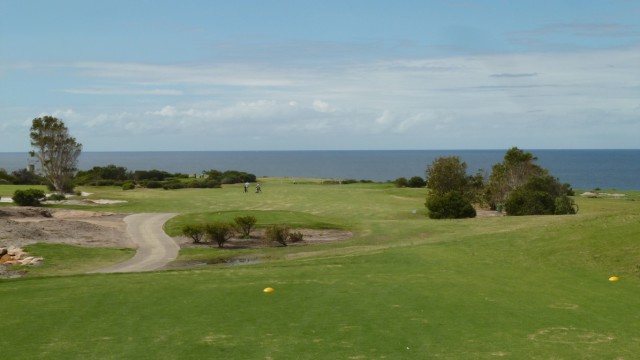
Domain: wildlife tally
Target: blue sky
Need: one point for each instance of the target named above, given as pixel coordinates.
(316, 75)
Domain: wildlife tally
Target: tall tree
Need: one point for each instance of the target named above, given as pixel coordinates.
(451, 189)
(514, 171)
(447, 173)
(56, 151)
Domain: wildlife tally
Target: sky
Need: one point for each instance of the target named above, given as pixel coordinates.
(323, 75)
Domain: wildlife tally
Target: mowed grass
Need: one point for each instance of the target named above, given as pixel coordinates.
(404, 287)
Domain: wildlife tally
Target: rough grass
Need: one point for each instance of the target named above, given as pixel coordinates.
(404, 287)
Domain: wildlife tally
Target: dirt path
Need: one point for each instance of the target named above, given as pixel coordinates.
(154, 248)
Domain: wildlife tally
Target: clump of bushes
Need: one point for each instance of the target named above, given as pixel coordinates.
(28, 197)
(221, 232)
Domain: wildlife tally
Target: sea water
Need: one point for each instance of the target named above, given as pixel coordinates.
(583, 169)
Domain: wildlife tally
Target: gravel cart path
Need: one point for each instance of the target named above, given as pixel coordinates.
(154, 248)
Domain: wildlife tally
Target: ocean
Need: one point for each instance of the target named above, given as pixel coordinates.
(583, 169)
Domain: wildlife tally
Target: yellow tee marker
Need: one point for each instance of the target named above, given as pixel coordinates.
(614, 278)
(268, 290)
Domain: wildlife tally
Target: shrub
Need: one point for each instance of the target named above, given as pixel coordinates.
(219, 232)
(540, 195)
(416, 182)
(245, 224)
(529, 202)
(565, 205)
(195, 232)
(451, 205)
(401, 182)
(128, 186)
(56, 197)
(205, 184)
(153, 185)
(296, 236)
(29, 197)
(277, 233)
(174, 185)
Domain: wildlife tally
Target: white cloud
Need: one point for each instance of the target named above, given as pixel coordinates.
(486, 99)
(122, 91)
(322, 106)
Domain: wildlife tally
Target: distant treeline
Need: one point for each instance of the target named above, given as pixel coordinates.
(112, 175)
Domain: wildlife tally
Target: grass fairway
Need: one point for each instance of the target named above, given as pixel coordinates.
(404, 287)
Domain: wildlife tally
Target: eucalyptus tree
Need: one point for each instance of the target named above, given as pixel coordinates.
(56, 151)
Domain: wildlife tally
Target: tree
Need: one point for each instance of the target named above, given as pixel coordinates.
(451, 189)
(56, 151)
(416, 182)
(401, 182)
(447, 174)
(514, 171)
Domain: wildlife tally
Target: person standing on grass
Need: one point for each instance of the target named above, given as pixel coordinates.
(246, 187)
(258, 188)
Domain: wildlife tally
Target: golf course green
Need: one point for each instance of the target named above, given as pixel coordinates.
(402, 287)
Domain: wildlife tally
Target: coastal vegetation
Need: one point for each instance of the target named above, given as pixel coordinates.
(517, 185)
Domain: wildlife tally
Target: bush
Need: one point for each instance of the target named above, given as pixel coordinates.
(29, 197)
(451, 205)
(401, 182)
(128, 186)
(204, 184)
(565, 205)
(416, 182)
(245, 224)
(195, 232)
(529, 202)
(296, 236)
(219, 232)
(174, 185)
(540, 195)
(56, 197)
(153, 184)
(277, 233)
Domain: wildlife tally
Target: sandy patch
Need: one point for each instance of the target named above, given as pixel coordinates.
(21, 226)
